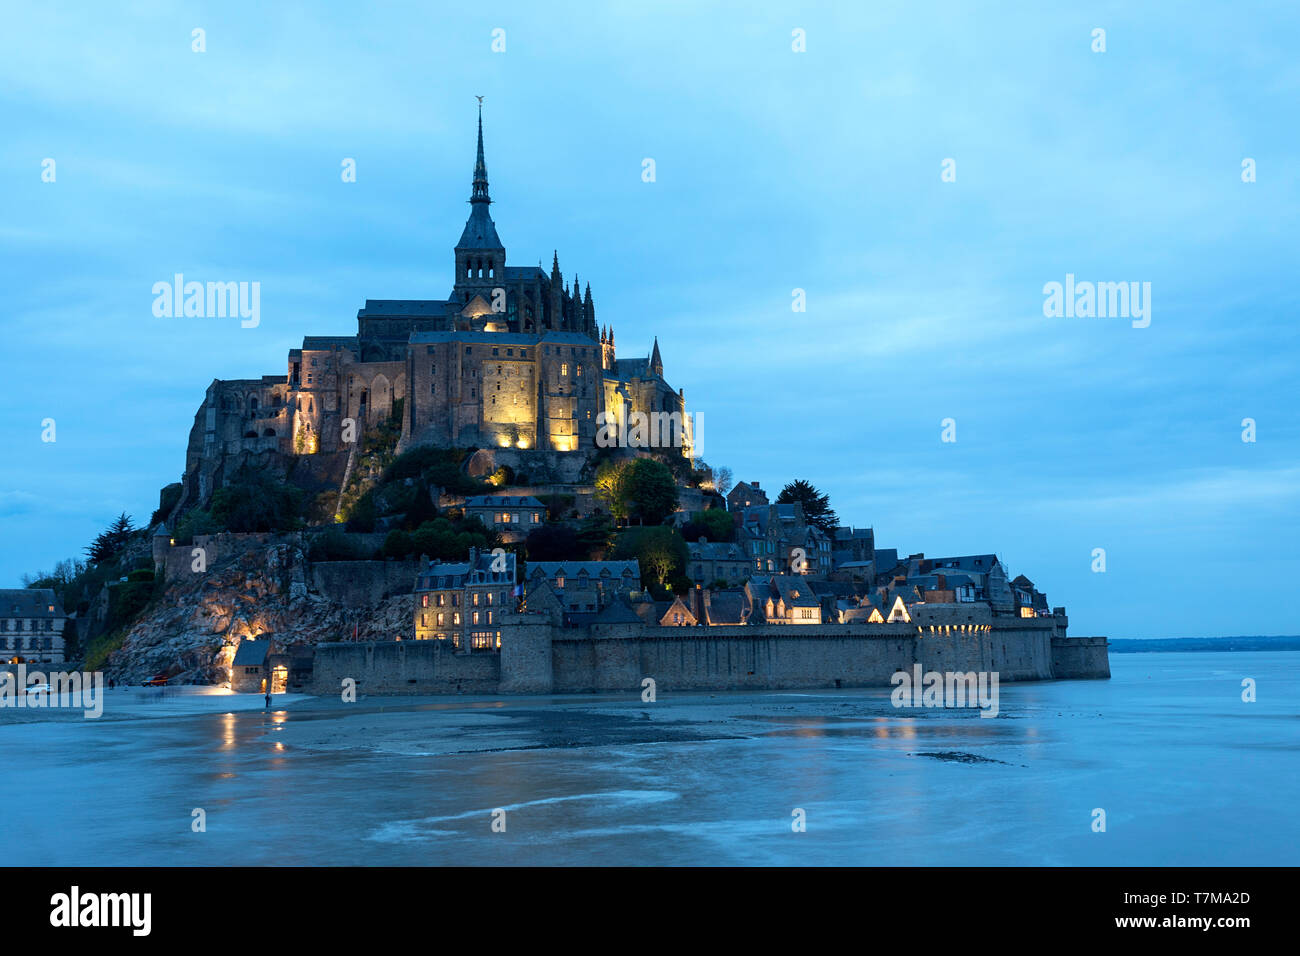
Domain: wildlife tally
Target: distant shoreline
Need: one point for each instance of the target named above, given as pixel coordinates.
(1141, 645)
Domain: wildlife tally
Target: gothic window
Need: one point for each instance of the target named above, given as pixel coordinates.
(564, 368)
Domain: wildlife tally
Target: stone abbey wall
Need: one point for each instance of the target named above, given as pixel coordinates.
(536, 658)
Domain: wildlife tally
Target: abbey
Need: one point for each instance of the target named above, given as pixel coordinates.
(513, 358)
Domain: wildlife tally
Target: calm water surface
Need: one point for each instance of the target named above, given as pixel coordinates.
(1186, 773)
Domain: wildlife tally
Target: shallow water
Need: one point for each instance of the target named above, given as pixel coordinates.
(1186, 773)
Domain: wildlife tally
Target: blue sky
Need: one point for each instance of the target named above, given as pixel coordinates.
(775, 170)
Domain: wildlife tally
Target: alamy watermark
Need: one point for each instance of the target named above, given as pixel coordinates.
(647, 430)
(1102, 300)
(36, 689)
(946, 689)
(212, 300)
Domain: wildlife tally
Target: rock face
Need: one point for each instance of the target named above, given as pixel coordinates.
(263, 589)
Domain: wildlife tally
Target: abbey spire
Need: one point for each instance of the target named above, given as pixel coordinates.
(480, 256)
(479, 190)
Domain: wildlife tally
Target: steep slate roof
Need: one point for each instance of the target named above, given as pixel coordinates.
(571, 569)
(327, 343)
(728, 607)
(419, 308)
(617, 612)
(630, 368)
(795, 591)
(716, 551)
(29, 602)
(480, 231)
(251, 653)
(524, 272)
(440, 575)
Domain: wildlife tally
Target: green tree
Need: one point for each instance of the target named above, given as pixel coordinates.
(109, 544)
(595, 536)
(661, 553)
(610, 483)
(255, 500)
(650, 491)
(714, 524)
(816, 506)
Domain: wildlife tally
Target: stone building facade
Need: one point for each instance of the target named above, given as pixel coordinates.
(31, 626)
(462, 602)
(510, 516)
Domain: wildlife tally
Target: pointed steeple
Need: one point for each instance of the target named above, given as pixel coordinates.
(589, 309)
(656, 363)
(480, 187)
(555, 267)
(480, 234)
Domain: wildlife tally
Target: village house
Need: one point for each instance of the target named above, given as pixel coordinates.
(31, 626)
(783, 599)
(511, 516)
(462, 602)
(853, 545)
(252, 671)
(586, 586)
(771, 534)
(712, 561)
(746, 494)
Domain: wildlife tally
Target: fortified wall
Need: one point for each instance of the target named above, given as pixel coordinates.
(1080, 657)
(537, 658)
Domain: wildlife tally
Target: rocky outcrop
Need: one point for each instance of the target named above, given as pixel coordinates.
(193, 627)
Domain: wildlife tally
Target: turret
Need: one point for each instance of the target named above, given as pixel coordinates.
(555, 320)
(577, 322)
